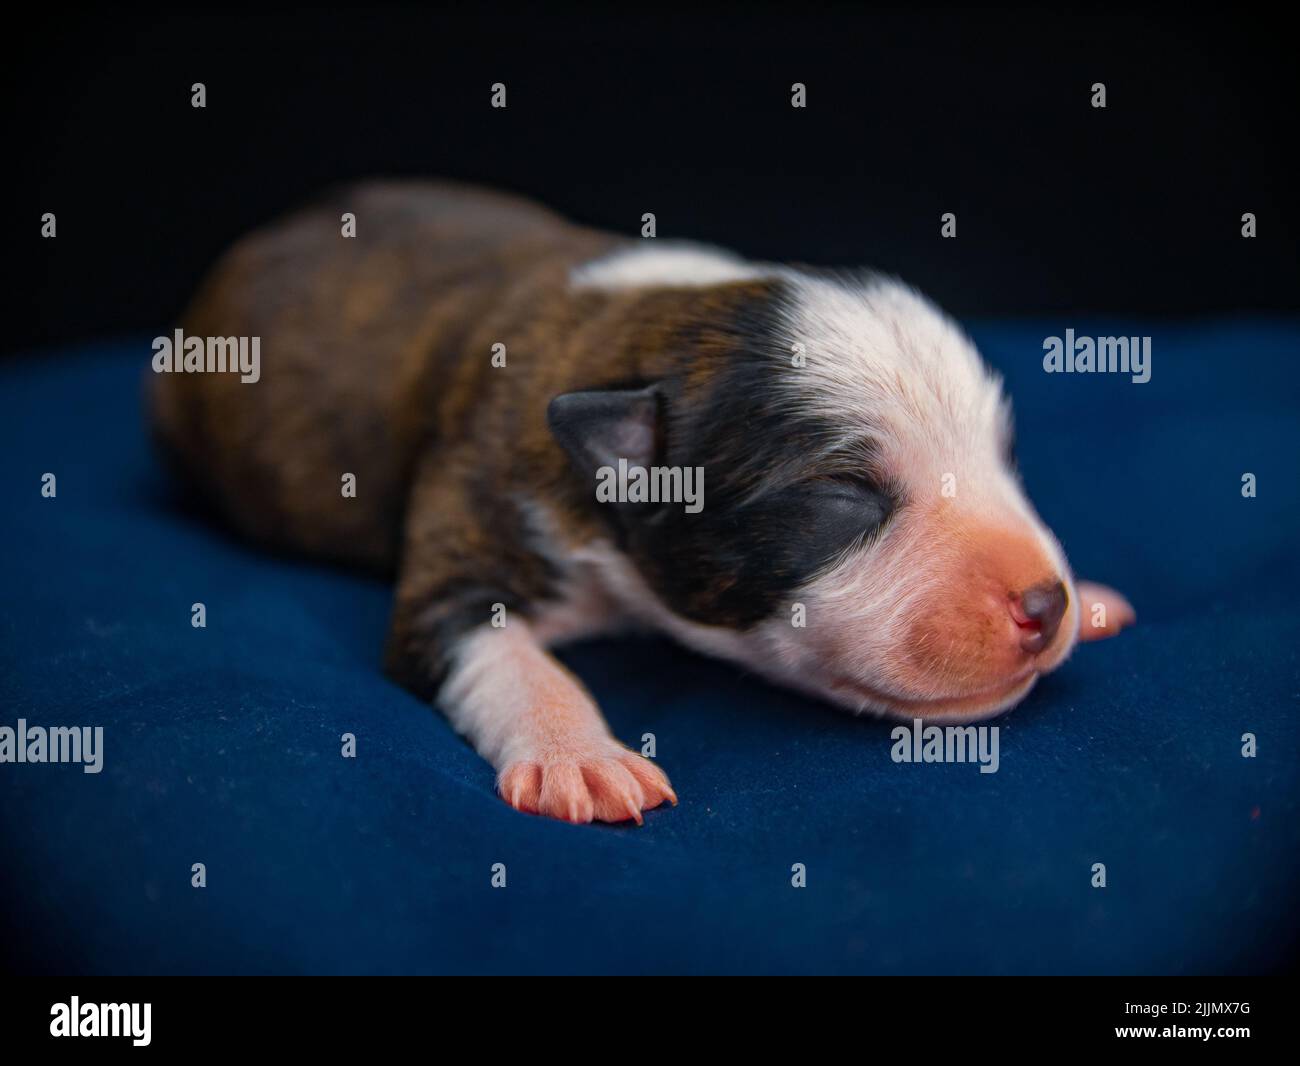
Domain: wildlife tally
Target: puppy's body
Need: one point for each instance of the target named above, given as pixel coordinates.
(824, 413)
(370, 361)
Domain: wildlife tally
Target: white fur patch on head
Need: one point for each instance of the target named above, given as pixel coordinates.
(885, 362)
(886, 365)
(662, 263)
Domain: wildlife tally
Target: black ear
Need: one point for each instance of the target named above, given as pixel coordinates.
(599, 428)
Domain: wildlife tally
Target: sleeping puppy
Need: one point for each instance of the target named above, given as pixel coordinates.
(551, 432)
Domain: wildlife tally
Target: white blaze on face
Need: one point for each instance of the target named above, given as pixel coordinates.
(919, 620)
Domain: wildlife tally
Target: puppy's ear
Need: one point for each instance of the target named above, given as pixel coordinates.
(599, 428)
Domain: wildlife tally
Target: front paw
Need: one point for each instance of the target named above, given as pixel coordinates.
(1104, 611)
(599, 780)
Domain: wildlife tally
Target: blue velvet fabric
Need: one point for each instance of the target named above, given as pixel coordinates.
(221, 745)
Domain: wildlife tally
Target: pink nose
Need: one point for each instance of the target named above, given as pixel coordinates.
(1038, 612)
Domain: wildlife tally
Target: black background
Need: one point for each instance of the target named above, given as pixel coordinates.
(683, 111)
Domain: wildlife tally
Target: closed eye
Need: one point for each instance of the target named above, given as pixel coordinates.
(848, 508)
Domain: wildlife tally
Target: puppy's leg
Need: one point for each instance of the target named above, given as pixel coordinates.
(537, 726)
(465, 557)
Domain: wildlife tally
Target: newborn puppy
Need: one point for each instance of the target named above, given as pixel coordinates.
(848, 518)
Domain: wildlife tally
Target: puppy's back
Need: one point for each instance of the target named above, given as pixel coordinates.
(361, 339)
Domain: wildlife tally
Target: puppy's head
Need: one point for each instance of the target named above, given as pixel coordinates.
(863, 533)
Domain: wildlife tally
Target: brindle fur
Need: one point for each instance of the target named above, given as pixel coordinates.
(376, 361)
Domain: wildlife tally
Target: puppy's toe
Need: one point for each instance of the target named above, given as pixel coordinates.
(520, 785)
(653, 781)
(1103, 612)
(564, 793)
(616, 794)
